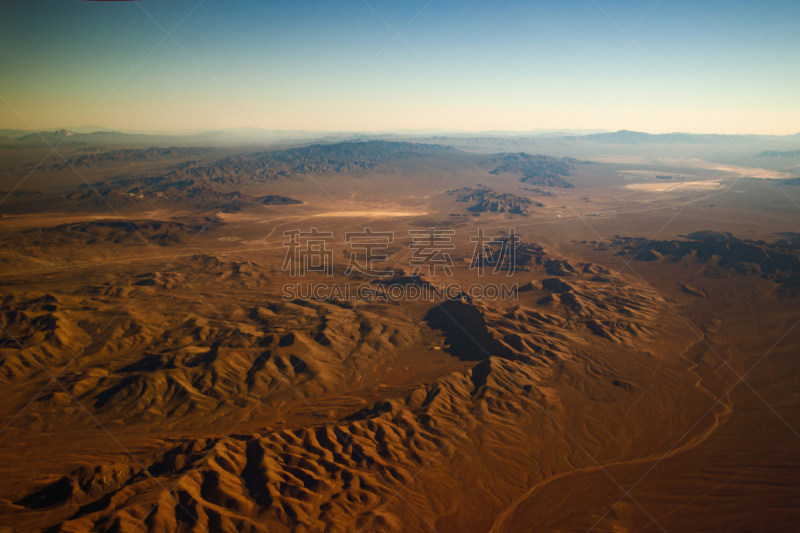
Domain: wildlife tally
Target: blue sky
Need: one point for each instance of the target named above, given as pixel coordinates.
(704, 67)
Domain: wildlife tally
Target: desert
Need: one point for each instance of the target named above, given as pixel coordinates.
(175, 386)
(391, 267)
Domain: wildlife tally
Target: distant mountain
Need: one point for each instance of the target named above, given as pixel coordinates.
(722, 236)
(83, 200)
(205, 186)
(500, 143)
(320, 159)
(276, 199)
(540, 170)
(779, 261)
(139, 232)
(249, 136)
(37, 138)
(772, 153)
(128, 140)
(92, 158)
(126, 194)
(199, 193)
(12, 133)
(638, 137)
(72, 138)
(488, 200)
(543, 181)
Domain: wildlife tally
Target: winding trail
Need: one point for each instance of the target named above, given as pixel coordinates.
(719, 418)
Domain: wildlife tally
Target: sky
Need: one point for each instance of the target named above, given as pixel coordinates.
(367, 65)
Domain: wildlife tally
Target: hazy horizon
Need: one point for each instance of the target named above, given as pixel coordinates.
(398, 131)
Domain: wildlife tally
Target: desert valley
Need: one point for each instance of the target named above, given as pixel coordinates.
(198, 337)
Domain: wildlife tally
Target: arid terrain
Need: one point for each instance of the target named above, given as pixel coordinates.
(169, 362)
